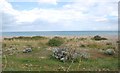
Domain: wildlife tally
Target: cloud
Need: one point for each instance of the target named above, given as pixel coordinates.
(54, 2)
(101, 20)
(76, 15)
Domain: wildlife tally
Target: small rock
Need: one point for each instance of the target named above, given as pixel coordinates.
(110, 52)
(27, 50)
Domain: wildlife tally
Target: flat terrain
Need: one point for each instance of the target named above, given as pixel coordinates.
(40, 58)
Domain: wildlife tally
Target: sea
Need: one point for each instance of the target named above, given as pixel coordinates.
(59, 33)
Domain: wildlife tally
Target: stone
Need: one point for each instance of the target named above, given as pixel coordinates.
(110, 52)
(26, 50)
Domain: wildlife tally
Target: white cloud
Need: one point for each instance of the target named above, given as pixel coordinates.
(50, 15)
(101, 20)
(48, 1)
(25, 16)
(70, 15)
(7, 8)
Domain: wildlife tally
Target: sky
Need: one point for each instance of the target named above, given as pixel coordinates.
(59, 15)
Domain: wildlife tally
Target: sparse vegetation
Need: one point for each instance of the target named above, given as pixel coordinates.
(40, 59)
(26, 38)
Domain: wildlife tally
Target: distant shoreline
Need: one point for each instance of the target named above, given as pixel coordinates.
(81, 36)
(66, 34)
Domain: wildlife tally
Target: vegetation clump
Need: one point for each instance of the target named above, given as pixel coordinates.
(55, 42)
(82, 45)
(69, 55)
(65, 54)
(98, 38)
(118, 41)
(25, 38)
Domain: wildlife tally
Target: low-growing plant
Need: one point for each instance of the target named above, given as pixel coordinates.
(38, 37)
(93, 46)
(98, 38)
(110, 46)
(118, 41)
(56, 41)
(26, 38)
(69, 54)
(8, 39)
(82, 45)
(65, 54)
(109, 43)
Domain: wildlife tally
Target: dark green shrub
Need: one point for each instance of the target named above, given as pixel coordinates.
(82, 45)
(56, 41)
(38, 37)
(97, 38)
(8, 39)
(103, 38)
(22, 38)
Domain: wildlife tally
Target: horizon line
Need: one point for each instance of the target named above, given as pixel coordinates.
(68, 31)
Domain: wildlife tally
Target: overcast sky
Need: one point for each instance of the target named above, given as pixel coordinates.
(59, 15)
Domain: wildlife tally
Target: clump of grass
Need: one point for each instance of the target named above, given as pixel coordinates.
(110, 46)
(82, 45)
(38, 37)
(93, 45)
(56, 41)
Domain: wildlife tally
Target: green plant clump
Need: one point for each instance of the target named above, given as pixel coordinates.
(56, 41)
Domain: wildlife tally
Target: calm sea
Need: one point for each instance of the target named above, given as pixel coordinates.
(60, 33)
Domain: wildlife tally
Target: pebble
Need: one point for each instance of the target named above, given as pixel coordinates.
(83, 68)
